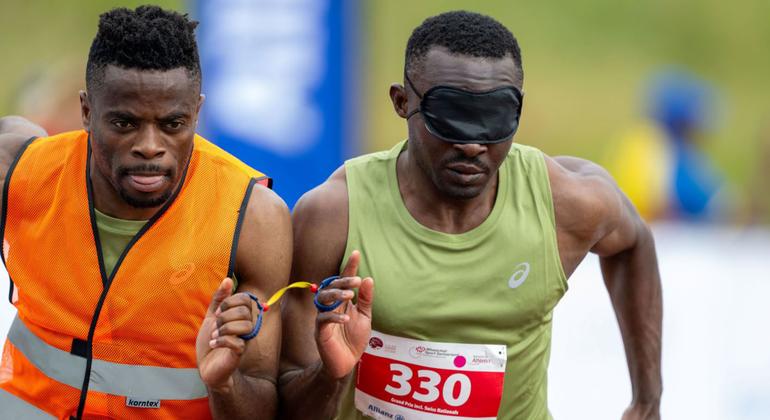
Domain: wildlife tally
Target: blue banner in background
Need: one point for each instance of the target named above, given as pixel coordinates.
(279, 79)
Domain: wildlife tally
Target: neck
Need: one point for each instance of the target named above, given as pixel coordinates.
(433, 208)
(108, 201)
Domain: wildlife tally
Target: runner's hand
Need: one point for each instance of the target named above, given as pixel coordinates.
(218, 346)
(342, 334)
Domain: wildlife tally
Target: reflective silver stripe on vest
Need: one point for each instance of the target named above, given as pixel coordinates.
(14, 407)
(135, 381)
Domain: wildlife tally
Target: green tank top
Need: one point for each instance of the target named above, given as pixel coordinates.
(496, 284)
(114, 236)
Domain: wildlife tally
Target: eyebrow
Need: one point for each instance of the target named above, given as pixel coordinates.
(175, 116)
(120, 114)
(129, 116)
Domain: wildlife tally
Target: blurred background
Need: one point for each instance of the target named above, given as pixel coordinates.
(671, 97)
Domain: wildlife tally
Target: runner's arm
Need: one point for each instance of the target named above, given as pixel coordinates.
(630, 269)
(320, 220)
(626, 249)
(263, 261)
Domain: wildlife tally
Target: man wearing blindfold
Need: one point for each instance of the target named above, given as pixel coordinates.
(471, 239)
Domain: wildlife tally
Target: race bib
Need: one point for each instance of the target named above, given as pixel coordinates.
(405, 379)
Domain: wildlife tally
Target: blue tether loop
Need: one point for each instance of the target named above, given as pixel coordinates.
(320, 306)
(258, 324)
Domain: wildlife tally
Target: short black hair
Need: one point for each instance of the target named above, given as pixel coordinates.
(464, 33)
(148, 38)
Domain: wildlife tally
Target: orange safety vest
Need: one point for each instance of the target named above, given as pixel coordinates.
(131, 334)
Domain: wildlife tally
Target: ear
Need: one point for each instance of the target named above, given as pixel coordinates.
(399, 99)
(201, 99)
(85, 110)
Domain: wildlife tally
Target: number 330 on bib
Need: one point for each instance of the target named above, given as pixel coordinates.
(400, 378)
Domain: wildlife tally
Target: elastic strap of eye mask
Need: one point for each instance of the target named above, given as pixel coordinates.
(408, 80)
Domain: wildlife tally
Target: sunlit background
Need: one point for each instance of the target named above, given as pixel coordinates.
(672, 97)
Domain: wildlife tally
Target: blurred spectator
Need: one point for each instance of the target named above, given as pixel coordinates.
(660, 164)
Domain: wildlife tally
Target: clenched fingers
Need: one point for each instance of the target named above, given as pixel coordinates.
(238, 299)
(234, 317)
(236, 344)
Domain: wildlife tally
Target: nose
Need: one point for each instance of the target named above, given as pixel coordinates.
(149, 145)
(471, 149)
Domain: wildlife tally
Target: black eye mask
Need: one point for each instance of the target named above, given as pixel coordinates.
(459, 116)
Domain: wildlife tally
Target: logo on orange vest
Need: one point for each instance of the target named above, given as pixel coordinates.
(142, 403)
(182, 274)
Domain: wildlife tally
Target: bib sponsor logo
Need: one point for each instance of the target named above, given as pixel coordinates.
(377, 410)
(142, 403)
(375, 343)
(480, 360)
(519, 276)
(417, 351)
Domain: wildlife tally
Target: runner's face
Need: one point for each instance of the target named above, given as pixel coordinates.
(460, 171)
(142, 125)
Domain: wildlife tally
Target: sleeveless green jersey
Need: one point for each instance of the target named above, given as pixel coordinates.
(496, 284)
(114, 236)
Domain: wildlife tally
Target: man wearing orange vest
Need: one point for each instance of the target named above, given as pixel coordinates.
(116, 237)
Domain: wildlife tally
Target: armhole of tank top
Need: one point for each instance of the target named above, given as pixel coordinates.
(4, 214)
(238, 226)
(548, 195)
(352, 221)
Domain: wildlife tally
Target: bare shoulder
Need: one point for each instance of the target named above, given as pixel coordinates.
(10, 145)
(263, 256)
(325, 207)
(265, 208)
(14, 132)
(21, 127)
(592, 214)
(585, 195)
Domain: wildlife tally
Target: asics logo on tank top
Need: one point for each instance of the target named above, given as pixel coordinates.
(519, 275)
(182, 274)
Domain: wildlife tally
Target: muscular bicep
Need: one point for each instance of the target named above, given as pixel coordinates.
(263, 262)
(320, 235)
(622, 228)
